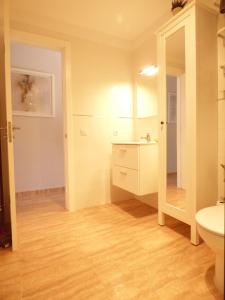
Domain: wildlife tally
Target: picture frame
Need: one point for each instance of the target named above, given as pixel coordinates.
(33, 93)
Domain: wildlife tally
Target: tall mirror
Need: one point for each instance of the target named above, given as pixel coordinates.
(176, 120)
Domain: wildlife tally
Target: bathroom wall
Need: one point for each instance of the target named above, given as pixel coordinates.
(102, 92)
(145, 100)
(38, 145)
(102, 113)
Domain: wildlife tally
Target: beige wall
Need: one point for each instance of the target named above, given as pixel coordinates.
(145, 99)
(38, 145)
(102, 112)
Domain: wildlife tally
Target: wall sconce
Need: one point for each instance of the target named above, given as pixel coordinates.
(149, 71)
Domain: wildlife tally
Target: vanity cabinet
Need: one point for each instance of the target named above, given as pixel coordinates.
(187, 51)
(135, 167)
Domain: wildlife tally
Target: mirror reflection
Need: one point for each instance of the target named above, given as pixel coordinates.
(176, 127)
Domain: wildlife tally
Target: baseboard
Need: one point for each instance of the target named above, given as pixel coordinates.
(40, 192)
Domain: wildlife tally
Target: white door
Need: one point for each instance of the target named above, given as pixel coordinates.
(6, 135)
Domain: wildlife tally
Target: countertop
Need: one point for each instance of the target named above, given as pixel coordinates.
(134, 143)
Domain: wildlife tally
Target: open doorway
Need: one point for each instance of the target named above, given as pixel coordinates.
(38, 122)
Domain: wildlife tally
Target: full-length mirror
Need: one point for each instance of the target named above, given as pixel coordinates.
(176, 127)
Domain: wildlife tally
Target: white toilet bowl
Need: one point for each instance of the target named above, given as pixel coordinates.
(210, 224)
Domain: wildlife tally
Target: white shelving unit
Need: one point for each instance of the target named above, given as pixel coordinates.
(198, 25)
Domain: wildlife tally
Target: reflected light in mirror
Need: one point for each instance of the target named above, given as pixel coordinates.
(146, 101)
(149, 71)
(122, 100)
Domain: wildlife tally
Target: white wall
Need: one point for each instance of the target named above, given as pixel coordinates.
(146, 103)
(103, 104)
(38, 145)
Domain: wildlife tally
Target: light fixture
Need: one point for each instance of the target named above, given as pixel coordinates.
(149, 71)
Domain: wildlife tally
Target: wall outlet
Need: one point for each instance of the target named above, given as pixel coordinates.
(115, 132)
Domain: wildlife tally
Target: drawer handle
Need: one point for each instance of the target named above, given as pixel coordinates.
(123, 149)
(123, 173)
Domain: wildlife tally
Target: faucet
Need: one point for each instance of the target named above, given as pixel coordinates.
(147, 137)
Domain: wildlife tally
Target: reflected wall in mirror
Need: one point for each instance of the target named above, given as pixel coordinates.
(146, 96)
(176, 124)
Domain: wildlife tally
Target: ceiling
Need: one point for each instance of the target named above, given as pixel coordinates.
(125, 19)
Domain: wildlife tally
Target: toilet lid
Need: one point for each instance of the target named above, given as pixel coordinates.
(212, 219)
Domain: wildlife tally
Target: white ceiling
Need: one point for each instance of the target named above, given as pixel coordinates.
(126, 19)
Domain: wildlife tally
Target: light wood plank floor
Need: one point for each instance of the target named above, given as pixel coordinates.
(109, 252)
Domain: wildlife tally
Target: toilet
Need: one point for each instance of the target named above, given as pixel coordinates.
(210, 225)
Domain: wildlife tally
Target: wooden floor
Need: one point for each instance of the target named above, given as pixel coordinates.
(108, 252)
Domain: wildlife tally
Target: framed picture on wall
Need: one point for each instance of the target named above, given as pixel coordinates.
(171, 107)
(32, 93)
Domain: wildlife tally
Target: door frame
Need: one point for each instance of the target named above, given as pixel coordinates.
(9, 184)
(64, 47)
(179, 131)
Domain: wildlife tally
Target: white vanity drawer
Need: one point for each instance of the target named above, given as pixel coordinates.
(126, 179)
(126, 156)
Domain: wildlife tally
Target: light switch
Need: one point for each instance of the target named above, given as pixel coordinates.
(115, 132)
